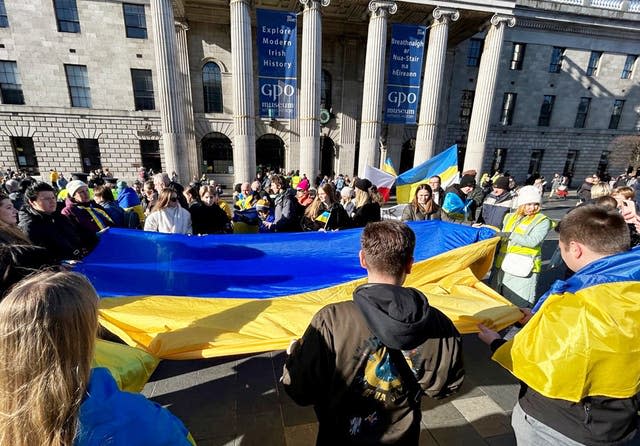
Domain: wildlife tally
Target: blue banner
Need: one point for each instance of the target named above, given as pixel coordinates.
(277, 70)
(405, 72)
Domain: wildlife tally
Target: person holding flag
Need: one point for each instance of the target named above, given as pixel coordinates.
(325, 212)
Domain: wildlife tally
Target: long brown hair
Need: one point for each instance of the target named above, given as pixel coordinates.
(314, 208)
(164, 198)
(48, 326)
(430, 206)
(12, 233)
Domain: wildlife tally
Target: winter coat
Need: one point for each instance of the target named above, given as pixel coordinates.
(174, 220)
(365, 364)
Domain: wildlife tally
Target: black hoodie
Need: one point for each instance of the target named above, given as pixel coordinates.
(355, 361)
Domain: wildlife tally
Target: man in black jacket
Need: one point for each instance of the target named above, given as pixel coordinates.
(365, 364)
(45, 226)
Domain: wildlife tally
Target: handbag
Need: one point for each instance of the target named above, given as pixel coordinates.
(518, 265)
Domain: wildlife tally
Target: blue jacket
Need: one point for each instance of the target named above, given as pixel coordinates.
(110, 416)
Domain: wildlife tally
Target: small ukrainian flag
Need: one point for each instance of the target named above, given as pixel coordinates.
(324, 217)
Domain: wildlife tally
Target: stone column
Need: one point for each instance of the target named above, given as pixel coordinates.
(169, 94)
(244, 139)
(432, 84)
(373, 92)
(192, 164)
(310, 84)
(485, 89)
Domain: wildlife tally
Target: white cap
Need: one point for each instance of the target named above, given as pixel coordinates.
(529, 194)
(73, 186)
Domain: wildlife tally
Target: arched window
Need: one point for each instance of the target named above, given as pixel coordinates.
(212, 88)
(325, 95)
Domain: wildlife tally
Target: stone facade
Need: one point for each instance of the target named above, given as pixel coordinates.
(32, 40)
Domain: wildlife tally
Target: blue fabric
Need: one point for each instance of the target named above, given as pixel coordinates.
(434, 166)
(623, 267)
(257, 266)
(127, 198)
(453, 204)
(109, 416)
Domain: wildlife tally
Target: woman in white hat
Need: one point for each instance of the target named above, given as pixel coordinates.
(519, 259)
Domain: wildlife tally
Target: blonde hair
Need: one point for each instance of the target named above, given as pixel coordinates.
(625, 191)
(362, 198)
(600, 190)
(163, 199)
(48, 325)
(520, 211)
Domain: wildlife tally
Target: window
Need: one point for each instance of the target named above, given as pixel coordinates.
(212, 86)
(4, 20)
(603, 164)
(10, 86)
(545, 111)
(616, 113)
(67, 16)
(135, 22)
(570, 164)
(466, 105)
(499, 160)
(475, 50)
(150, 154)
(583, 110)
(557, 56)
(594, 61)
(25, 154)
(517, 56)
(325, 91)
(89, 154)
(78, 82)
(535, 162)
(629, 64)
(508, 106)
(142, 89)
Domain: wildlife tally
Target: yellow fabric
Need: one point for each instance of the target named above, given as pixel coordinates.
(226, 208)
(406, 192)
(130, 367)
(518, 225)
(579, 345)
(138, 210)
(208, 327)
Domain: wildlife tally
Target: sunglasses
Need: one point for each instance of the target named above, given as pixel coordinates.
(174, 199)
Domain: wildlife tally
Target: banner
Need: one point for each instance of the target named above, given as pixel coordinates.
(277, 69)
(405, 72)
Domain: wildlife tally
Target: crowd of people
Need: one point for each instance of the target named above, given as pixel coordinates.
(336, 365)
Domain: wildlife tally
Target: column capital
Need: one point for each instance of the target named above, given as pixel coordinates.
(181, 24)
(312, 3)
(441, 15)
(381, 7)
(507, 20)
(246, 2)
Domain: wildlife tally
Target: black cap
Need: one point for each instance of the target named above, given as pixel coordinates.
(501, 183)
(363, 184)
(468, 181)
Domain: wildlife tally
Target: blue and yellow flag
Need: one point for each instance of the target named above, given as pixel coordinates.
(182, 297)
(388, 167)
(324, 217)
(585, 338)
(445, 165)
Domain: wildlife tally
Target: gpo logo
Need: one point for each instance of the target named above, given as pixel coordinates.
(398, 98)
(274, 91)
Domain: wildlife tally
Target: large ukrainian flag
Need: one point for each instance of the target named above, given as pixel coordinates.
(585, 339)
(445, 165)
(183, 297)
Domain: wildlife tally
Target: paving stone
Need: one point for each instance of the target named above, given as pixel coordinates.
(301, 435)
(484, 415)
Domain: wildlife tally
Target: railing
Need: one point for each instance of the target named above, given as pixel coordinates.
(616, 5)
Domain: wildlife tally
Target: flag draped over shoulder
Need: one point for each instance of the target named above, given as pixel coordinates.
(445, 165)
(584, 339)
(182, 297)
(382, 180)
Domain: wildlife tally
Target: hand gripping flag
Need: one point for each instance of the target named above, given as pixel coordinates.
(181, 297)
(445, 165)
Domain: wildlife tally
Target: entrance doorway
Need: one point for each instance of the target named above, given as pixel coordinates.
(407, 154)
(270, 152)
(327, 155)
(217, 153)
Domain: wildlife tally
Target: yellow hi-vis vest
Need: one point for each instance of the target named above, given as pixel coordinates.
(521, 225)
